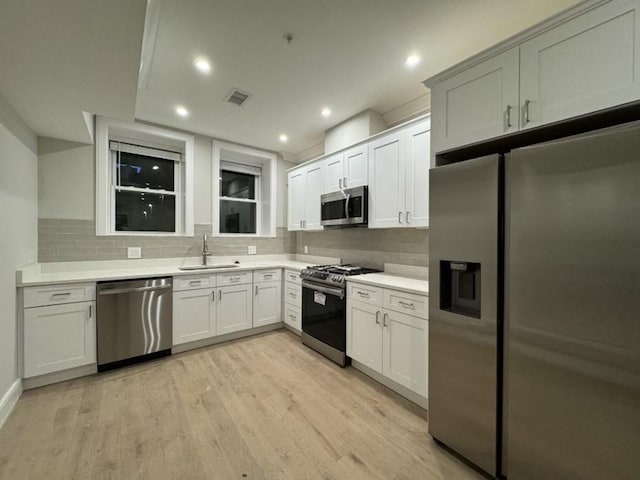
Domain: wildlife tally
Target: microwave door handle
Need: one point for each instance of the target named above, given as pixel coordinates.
(346, 206)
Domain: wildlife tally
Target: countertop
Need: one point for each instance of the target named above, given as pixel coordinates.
(36, 276)
(406, 284)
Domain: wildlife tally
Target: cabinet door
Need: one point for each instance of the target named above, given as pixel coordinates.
(293, 317)
(477, 104)
(364, 334)
(405, 344)
(296, 199)
(312, 193)
(417, 174)
(194, 315)
(334, 173)
(59, 337)
(356, 167)
(585, 64)
(386, 182)
(267, 303)
(234, 310)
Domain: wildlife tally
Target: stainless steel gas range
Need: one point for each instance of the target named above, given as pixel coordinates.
(324, 309)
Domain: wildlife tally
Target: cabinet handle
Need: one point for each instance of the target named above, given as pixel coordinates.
(363, 294)
(399, 217)
(525, 112)
(194, 282)
(378, 317)
(344, 182)
(293, 295)
(407, 304)
(59, 295)
(268, 275)
(219, 295)
(340, 184)
(234, 279)
(300, 223)
(507, 118)
(256, 290)
(213, 296)
(90, 311)
(384, 320)
(406, 217)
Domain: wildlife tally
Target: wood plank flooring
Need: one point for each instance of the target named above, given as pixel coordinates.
(264, 407)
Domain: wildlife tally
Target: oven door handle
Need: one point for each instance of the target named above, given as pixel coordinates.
(336, 292)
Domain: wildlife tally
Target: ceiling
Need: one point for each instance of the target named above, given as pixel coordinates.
(60, 58)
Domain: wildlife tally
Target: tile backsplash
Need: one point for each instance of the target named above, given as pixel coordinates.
(65, 240)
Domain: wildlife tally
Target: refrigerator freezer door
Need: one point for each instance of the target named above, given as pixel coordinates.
(463, 348)
(573, 309)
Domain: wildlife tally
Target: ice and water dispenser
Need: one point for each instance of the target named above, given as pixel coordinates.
(460, 287)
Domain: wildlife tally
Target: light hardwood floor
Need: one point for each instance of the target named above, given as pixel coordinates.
(264, 407)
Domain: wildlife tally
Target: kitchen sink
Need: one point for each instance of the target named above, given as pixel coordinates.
(209, 267)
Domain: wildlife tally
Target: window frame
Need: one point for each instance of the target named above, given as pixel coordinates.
(257, 200)
(146, 136)
(266, 188)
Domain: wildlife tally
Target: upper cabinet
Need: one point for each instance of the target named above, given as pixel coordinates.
(346, 169)
(583, 61)
(399, 178)
(481, 102)
(305, 187)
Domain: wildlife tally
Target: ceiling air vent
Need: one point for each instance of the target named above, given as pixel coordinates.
(237, 97)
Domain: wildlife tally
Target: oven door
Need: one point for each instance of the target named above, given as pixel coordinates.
(324, 314)
(348, 208)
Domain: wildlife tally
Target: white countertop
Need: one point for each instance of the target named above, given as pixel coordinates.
(43, 274)
(418, 286)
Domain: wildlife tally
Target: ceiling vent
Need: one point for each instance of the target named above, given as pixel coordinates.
(237, 97)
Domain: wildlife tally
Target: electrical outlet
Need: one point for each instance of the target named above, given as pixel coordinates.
(251, 250)
(134, 252)
(306, 249)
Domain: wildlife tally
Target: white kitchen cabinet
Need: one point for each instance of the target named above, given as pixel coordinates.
(293, 300)
(194, 315)
(356, 167)
(59, 337)
(405, 344)
(305, 188)
(386, 340)
(364, 334)
(479, 103)
(586, 64)
(234, 308)
(267, 303)
(399, 178)
(293, 317)
(333, 172)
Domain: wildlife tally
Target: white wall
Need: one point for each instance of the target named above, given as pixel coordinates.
(19, 219)
(65, 179)
(66, 182)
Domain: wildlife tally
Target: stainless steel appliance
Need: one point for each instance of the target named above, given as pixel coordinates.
(324, 309)
(348, 207)
(542, 378)
(134, 321)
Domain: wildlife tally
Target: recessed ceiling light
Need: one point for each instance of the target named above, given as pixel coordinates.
(326, 111)
(202, 64)
(156, 167)
(183, 112)
(283, 137)
(412, 60)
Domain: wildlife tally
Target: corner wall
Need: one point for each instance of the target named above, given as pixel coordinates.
(18, 246)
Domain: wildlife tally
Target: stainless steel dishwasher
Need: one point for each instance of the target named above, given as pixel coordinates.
(134, 321)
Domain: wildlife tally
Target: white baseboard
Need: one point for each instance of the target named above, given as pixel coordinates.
(9, 400)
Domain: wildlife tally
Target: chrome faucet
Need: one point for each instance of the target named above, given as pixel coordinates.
(205, 250)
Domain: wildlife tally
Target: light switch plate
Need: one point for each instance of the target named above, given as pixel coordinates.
(252, 250)
(134, 252)
(306, 249)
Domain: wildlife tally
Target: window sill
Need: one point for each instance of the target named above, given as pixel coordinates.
(242, 235)
(145, 234)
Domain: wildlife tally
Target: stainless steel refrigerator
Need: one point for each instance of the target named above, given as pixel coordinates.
(534, 335)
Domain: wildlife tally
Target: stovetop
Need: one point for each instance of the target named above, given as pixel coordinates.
(333, 275)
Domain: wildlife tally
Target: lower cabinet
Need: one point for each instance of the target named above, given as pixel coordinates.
(267, 303)
(293, 301)
(389, 342)
(293, 316)
(59, 337)
(194, 315)
(234, 309)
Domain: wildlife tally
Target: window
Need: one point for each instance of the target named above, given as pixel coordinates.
(144, 180)
(244, 190)
(239, 198)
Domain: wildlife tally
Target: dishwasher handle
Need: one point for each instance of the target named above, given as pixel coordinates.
(116, 291)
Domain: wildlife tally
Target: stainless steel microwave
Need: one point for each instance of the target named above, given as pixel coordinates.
(348, 207)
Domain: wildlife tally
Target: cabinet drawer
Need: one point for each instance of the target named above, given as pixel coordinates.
(408, 303)
(260, 276)
(293, 294)
(292, 276)
(59, 294)
(293, 316)
(192, 282)
(364, 293)
(235, 278)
